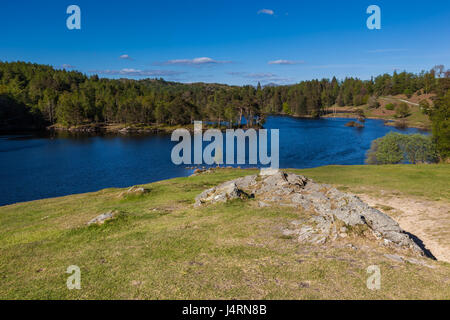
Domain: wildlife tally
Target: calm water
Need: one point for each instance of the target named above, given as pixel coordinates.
(33, 167)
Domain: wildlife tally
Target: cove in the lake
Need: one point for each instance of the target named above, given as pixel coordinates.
(36, 167)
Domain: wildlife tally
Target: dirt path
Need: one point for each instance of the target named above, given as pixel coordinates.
(401, 100)
(428, 220)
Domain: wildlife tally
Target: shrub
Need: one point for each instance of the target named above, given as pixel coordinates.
(408, 93)
(373, 103)
(402, 110)
(440, 117)
(425, 107)
(360, 112)
(400, 148)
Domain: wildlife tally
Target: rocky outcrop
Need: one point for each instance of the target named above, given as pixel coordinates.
(332, 214)
(101, 219)
(222, 193)
(134, 191)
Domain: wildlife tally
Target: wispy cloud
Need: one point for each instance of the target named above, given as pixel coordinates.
(138, 73)
(249, 75)
(195, 61)
(285, 62)
(125, 57)
(260, 76)
(266, 11)
(236, 73)
(385, 50)
(68, 66)
(264, 77)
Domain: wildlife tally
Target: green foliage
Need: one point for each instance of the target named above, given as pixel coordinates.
(360, 113)
(373, 103)
(41, 95)
(440, 117)
(402, 110)
(408, 93)
(397, 148)
(286, 108)
(425, 107)
(390, 106)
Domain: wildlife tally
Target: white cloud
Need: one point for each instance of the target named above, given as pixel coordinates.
(195, 61)
(264, 77)
(260, 76)
(125, 57)
(285, 62)
(67, 66)
(138, 73)
(266, 11)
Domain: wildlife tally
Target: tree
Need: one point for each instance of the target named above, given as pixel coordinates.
(402, 110)
(408, 93)
(425, 107)
(440, 117)
(69, 111)
(286, 108)
(373, 103)
(397, 148)
(40, 95)
(230, 115)
(390, 106)
(385, 151)
(420, 149)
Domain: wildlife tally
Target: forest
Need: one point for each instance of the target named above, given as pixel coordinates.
(34, 96)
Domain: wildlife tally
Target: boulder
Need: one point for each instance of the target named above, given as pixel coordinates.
(101, 218)
(222, 193)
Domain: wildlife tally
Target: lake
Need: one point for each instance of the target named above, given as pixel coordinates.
(42, 166)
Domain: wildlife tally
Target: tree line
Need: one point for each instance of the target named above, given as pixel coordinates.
(42, 95)
(35, 96)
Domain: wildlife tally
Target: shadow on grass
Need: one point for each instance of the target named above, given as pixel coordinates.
(420, 243)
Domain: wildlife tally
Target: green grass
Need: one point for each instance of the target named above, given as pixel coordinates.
(159, 247)
(416, 118)
(428, 181)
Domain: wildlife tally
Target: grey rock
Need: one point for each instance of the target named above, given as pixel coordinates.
(101, 218)
(246, 182)
(394, 257)
(262, 204)
(222, 193)
(137, 190)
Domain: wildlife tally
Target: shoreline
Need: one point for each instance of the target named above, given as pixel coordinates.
(387, 122)
(124, 129)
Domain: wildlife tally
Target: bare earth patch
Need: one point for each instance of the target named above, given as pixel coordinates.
(428, 220)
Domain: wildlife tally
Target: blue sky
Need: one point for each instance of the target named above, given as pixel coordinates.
(234, 42)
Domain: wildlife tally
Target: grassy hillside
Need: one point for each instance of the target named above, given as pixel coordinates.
(159, 247)
(416, 117)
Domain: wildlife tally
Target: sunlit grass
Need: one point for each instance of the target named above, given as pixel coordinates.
(160, 247)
